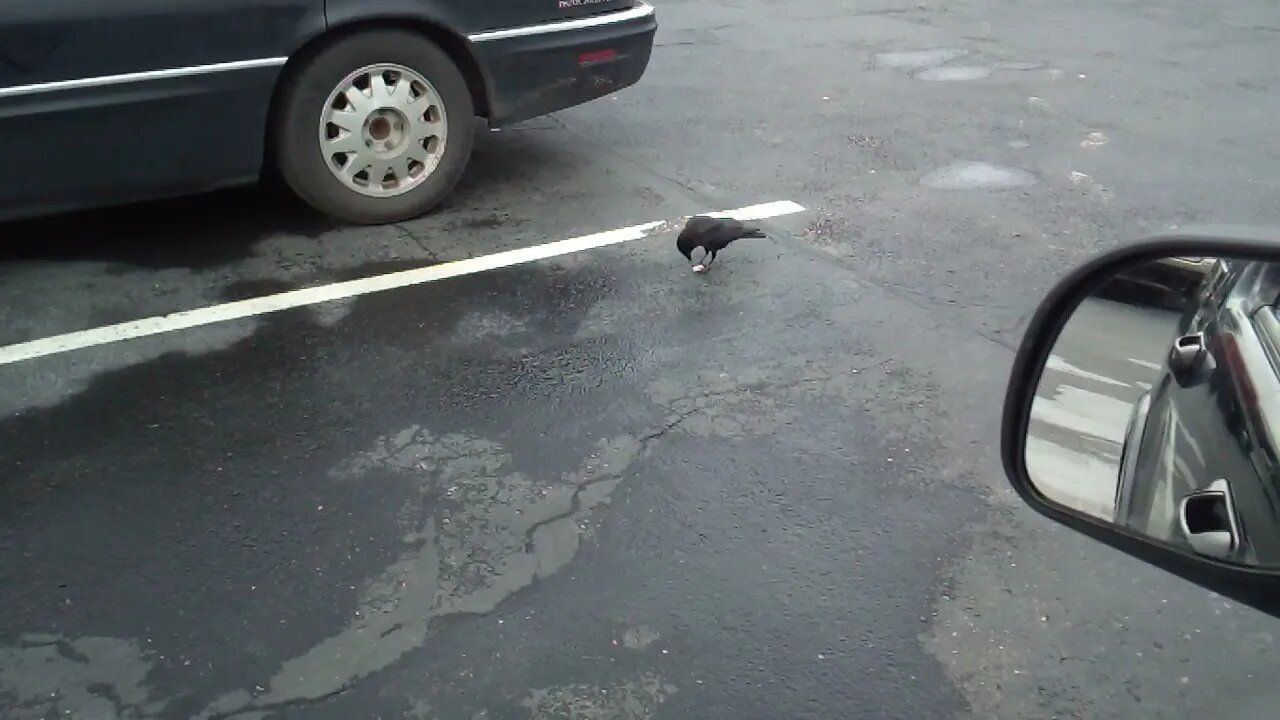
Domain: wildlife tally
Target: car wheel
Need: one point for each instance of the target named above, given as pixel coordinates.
(375, 128)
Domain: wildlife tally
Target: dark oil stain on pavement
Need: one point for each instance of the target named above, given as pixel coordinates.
(246, 288)
(188, 507)
(197, 232)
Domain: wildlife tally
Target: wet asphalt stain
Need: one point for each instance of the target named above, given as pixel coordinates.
(933, 65)
(970, 175)
(189, 482)
(752, 582)
(199, 232)
(917, 59)
(957, 73)
(245, 288)
(233, 533)
(193, 494)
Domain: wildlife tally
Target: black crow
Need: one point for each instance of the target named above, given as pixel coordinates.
(712, 235)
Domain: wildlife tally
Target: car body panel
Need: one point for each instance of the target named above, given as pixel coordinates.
(109, 102)
(1223, 422)
(465, 17)
(44, 41)
(106, 103)
(1169, 282)
(542, 71)
(1192, 265)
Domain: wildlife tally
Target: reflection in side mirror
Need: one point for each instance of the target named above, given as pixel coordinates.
(1158, 407)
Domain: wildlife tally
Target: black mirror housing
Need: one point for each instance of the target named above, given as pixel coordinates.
(1254, 586)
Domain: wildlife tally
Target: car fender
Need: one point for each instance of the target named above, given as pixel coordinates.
(434, 12)
(438, 19)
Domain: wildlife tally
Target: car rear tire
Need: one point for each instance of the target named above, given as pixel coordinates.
(384, 103)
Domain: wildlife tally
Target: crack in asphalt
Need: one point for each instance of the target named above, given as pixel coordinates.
(668, 427)
(107, 692)
(575, 506)
(575, 500)
(949, 301)
(283, 704)
(407, 234)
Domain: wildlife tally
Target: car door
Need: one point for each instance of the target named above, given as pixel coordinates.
(1220, 420)
(108, 101)
(1259, 501)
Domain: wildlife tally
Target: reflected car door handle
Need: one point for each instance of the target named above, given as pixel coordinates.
(1208, 520)
(1186, 357)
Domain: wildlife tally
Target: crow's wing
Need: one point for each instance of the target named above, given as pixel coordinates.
(697, 232)
(705, 230)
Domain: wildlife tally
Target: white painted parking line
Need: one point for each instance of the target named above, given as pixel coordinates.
(187, 319)
(1080, 475)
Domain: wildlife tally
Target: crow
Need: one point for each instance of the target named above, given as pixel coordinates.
(712, 235)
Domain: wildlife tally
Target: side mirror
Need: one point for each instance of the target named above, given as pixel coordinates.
(1143, 408)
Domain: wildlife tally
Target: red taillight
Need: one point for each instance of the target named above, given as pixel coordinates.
(596, 56)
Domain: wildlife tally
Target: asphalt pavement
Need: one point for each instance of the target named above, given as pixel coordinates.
(597, 485)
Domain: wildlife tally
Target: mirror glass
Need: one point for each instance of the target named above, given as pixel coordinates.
(1158, 408)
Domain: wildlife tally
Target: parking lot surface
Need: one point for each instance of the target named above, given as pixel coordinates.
(415, 485)
(597, 485)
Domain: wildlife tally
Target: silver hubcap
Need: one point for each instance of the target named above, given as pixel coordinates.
(383, 130)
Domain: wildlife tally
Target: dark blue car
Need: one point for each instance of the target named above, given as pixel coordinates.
(364, 107)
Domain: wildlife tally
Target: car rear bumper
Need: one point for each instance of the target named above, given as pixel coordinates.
(539, 69)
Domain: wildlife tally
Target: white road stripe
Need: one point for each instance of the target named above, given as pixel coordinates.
(1057, 363)
(187, 319)
(1084, 412)
(1077, 479)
